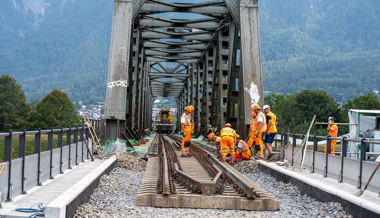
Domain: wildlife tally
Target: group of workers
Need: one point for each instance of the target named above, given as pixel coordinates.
(263, 129)
(229, 144)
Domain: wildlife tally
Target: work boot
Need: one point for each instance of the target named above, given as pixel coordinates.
(269, 157)
(259, 158)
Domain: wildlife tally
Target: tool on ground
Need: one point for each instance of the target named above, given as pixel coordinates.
(360, 191)
(306, 139)
(95, 141)
(281, 152)
(94, 133)
(303, 147)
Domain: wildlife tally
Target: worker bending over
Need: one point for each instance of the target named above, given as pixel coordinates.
(242, 152)
(186, 131)
(252, 130)
(333, 133)
(261, 128)
(271, 129)
(216, 140)
(227, 142)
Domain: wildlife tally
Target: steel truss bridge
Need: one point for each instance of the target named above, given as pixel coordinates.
(212, 62)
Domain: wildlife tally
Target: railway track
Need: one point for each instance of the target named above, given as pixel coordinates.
(200, 181)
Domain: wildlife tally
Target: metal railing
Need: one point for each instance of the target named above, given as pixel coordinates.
(344, 144)
(78, 134)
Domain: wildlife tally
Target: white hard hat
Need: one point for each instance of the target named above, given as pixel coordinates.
(265, 107)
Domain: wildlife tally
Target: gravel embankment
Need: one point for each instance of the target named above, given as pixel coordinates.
(130, 162)
(116, 193)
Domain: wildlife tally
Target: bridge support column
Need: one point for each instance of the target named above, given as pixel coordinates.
(116, 97)
(250, 79)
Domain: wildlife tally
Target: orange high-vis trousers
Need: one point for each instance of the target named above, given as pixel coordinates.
(227, 146)
(251, 140)
(186, 142)
(333, 143)
(259, 145)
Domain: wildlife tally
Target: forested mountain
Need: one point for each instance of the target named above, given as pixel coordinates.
(306, 44)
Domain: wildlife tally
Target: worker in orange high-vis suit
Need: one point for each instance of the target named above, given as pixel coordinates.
(242, 152)
(271, 129)
(186, 131)
(261, 127)
(333, 133)
(252, 130)
(227, 142)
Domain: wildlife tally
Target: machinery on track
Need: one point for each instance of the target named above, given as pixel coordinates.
(164, 122)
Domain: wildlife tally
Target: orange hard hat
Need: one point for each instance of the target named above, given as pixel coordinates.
(191, 108)
(253, 114)
(256, 107)
(227, 125)
(187, 108)
(210, 136)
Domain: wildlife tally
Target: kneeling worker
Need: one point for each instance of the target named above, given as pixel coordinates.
(227, 142)
(242, 152)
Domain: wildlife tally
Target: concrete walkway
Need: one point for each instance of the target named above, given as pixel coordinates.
(65, 188)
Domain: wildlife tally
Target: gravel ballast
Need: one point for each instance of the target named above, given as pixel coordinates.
(116, 193)
(130, 162)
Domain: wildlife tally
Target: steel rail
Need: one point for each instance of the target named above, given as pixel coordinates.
(239, 184)
(205, 188)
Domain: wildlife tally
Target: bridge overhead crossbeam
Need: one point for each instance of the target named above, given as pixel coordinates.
(194, 60)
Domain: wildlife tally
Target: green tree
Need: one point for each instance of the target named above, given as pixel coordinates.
(13, 107)
(315, 102)
(283, 107)
(295, 111)
(368, 102)
(55, 110)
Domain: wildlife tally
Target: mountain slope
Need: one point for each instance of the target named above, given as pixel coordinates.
(306, 44)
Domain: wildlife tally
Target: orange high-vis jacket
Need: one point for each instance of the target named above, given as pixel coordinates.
(264, 126)
(246, 153)
(333, 132)
(187, 123)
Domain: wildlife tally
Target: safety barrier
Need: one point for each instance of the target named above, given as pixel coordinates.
(41, 165)
(284, 141)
